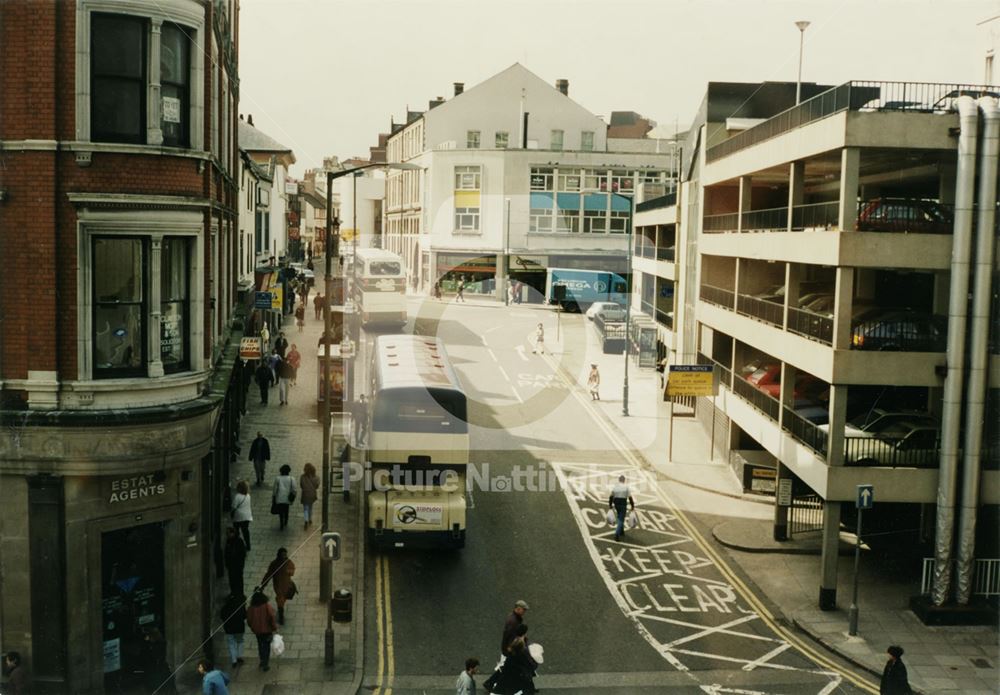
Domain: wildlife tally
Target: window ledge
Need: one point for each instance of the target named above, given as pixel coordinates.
(128, 148)
(467, 232)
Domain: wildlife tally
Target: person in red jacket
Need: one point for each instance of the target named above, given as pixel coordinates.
(263, 624)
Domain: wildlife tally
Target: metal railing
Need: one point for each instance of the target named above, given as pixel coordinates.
(985, 576)
(769, 312)
(855, 96)
(804, 431)
(665, 319)
(811, 325)
(806, 514)
(726, 222)
(765, 219)
(763, 402)
(905, 215)
(816, 215)
(888, 452)
(667, 253)
(663, 201)
(725, 373)
(644, 247)
(910, 332)
(718, 296)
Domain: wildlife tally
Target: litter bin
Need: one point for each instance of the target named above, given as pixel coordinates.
(342, 600)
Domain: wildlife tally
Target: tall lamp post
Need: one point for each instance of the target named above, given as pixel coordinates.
(506, 255)
(628, 300)
(801, 24)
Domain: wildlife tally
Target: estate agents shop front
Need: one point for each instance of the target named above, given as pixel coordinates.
(102, 558)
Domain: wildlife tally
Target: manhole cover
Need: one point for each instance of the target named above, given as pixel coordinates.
(981, 663)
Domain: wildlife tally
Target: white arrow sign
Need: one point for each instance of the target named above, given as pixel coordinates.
(330, 546)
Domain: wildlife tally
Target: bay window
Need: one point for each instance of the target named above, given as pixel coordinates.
(118, 78)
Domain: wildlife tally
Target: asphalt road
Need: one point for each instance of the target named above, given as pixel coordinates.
(651, 612)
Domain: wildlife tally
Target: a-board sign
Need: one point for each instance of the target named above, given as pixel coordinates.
(691, 380)
(250, 348)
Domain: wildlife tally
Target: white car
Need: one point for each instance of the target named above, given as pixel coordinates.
(601, 306)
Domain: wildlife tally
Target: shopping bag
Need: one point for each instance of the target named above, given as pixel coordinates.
(632, 520)
(277, 645)
(612, 517)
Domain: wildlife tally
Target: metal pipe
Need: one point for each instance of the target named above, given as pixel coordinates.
(951, 416)
(979, 333)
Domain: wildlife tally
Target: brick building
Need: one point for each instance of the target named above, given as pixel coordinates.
(119, 326)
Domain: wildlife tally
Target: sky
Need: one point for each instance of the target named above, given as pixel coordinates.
(324, 77)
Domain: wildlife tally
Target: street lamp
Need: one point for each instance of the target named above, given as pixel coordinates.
(801, 24)
(506, 255)
(628, 300)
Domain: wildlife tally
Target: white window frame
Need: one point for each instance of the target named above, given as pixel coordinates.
(473, 139)
(504, 142)
(557, 139)
(467, 219)
(584, 145)
(464, 184)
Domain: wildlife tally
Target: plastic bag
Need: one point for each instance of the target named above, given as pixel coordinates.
(612, 517)
(277, 645)
(632, 520)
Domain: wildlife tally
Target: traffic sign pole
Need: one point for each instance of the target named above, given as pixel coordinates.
(329, 548)
(865, 500)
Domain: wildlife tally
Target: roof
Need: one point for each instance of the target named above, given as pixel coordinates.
(414, 360)
(253, 140)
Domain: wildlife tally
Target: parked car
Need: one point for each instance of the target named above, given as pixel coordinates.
(599, 306)
(775, 293)
(767, 378)
(610, 314)
(906, 443)
(877, 421)
(904, 215)
(901, 330)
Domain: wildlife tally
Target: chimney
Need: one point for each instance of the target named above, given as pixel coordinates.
(249, 119)
(435, 102)
(459, 88)
(563, 86)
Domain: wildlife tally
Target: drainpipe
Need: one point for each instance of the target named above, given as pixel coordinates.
(957, 309)
(975, 395)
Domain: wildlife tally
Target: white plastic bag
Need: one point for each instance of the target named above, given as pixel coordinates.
(537, 652)
(612, 517)
(277, 645)
(632, 520)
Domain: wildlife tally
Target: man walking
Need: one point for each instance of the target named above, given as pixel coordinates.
(260, 454)
(466, 684)
(513, 622)
(620, 498)
(460, 290)
(281, 345)
(264, 377)
(235, 556)
(539, 340)
(285, 374)
(318, 306)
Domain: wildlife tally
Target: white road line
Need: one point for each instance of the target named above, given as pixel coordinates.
(492, 355)
(503, 371)
(520, 353)
(762, 661)
(490, 330)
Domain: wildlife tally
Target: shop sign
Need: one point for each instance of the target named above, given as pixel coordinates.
(112, 655)
(763, 479)
(277, 295)
(262, 300)
(138, 487)
(250, 348)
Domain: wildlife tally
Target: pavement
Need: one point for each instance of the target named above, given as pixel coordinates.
(939, 659)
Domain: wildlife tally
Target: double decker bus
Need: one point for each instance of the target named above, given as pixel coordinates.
(379, 286)
(418, 445)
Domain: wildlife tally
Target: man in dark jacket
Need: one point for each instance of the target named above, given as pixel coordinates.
(234, 623)
(514, 621)
(235, 555)
(264, 377)
(260, 454)
(894, 679)
(281, 345)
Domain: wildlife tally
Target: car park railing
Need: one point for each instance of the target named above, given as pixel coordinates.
(985, 576)
(766, 219)
(726, 222)
(644, 247)
(760, 400)
(769, 312)
(804, 431)
(855, 96)
(665, 319)
(725, 373)
(718, 296)
(906, 215)
(811, 325)
(908, 332)
(816, 216)
(886, 452)
(663, 201)
(665, 253)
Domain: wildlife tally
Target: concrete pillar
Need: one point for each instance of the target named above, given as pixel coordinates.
(746, 188)
(835, 434)
(500, 276)
(154, 133)
(946, 182)
(736, 282)
(793, 276)
(780, 512)
(843, 307)
(829, 557)
(850, 167)
(786, 389)
(796, 188)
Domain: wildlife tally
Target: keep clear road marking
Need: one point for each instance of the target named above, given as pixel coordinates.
(521, 353)
(586, 488)
(383, 615)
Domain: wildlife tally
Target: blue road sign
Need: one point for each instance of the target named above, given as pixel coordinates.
(866, 497)
(262, 300)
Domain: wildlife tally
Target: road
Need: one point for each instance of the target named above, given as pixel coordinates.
(660, 609)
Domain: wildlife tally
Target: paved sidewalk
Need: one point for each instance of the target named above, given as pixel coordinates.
(295, 437)
(939, 659)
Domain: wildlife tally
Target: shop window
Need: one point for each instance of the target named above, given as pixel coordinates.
(541, 179)
(119, 307)
(174, 307)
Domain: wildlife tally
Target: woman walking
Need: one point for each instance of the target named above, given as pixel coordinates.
(279, 573)
(234, 624)
(242, 513)
(283, 494)
(539, 339)
(594, 383)
(294, 360)
(310, 486)
(260, 618)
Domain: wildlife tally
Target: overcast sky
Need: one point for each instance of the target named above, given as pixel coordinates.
(325, 76)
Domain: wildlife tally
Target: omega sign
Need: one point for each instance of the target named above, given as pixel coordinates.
(138, 487)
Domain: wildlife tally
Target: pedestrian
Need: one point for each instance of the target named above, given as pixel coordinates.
(260, 618)
(661, 367)
(242, 513)
(894, 679)
(510, 294)
(294, 358)
(318, 306)
(260, 454)
(460, 290)
(511, 625)
(246, 374)
(517, 673)
(539, 339)
(234, 624)
(361, 420)
(437, 290)
(283, 494)
(279, 573)
(285, 374)
(281, 345)
(264, 377)
(273, 360)
(17, 676)
(309, 482)
(213, 681)
(300, 316)
(304, 288)
(620, 497)
(265, 339)
(235, 554)
(157, 673)
(517, 291)
(466, 684)
(594, 383)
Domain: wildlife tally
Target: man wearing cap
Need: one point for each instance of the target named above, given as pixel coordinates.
(514, 621)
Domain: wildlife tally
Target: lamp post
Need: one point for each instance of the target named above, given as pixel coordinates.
(628, 300)
(802, 24)
(506, 256)
(354, 213)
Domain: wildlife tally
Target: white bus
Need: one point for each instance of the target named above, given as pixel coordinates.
(379, 286)
(418, 445)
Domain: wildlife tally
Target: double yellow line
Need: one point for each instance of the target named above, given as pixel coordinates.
(383, 613)
(748, 595)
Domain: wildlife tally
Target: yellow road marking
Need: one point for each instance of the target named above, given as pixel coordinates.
(378, 618)
(390, 657)
(723, 567)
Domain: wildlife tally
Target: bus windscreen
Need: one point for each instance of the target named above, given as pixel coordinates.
(381, 268)
(441, 412)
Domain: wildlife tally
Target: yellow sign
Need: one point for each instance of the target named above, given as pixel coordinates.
(277, 297)
(346, 234)
(691, 380)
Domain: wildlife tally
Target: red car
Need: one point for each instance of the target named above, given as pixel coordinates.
(767, 378)
(904, 215)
